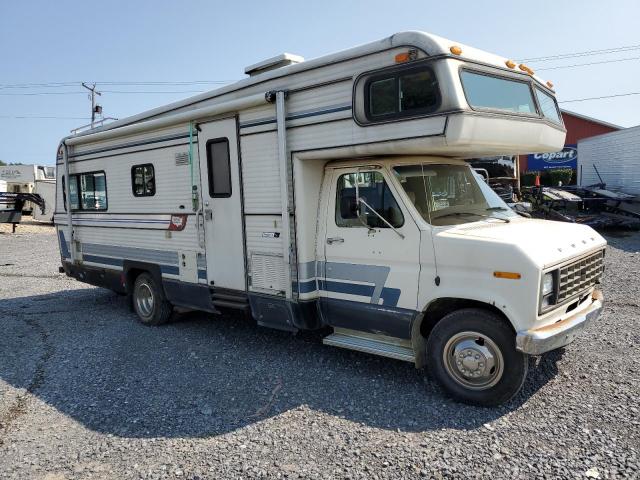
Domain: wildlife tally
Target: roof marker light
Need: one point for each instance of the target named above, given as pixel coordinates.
(524, 68)
(408, 56)
(456, 50)
(510, 64)
(549, 84)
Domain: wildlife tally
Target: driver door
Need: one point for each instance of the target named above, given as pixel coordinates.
(371, 270)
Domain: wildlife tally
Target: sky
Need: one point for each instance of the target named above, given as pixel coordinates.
(118, 42)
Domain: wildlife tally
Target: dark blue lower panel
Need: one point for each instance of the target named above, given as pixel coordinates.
(367, 317)
(189, 295)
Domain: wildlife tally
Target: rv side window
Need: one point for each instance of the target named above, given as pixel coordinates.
(88, 191)
(219, 166)
(73, 187)
(403, 93)
(143, 180)
(375, 192)
(548, 106)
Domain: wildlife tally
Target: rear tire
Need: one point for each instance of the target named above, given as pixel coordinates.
(471, 353)
(149, 301)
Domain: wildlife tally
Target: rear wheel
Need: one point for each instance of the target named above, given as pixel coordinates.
(149, 301)
(472, 354)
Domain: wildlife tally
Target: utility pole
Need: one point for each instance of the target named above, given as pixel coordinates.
(94, 108)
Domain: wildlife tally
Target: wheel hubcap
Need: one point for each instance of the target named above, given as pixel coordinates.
(144, 300)
(473, 360)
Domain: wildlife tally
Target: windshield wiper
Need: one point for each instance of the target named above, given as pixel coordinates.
(456, 214)
(496, 209)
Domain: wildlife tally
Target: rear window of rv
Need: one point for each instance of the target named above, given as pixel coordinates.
(497, 93)
(88, 191)
(402, 93)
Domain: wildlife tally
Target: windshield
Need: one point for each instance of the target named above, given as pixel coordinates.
(497, 93)
(450, 194)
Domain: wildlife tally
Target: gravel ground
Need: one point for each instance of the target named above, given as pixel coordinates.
(88, 392)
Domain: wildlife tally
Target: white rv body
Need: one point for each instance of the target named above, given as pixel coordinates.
(260, 233)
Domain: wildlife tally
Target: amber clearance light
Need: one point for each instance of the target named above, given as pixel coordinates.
(524, 68)
(549, 84)
(510, 64)
(507, 275)
(456, 50)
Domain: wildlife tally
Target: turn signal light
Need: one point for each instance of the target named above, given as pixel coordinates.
(507, 275)
(456, 50)
(178, 222)
(510, 64)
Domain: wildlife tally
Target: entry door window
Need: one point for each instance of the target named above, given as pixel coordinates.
(375, 192)
(219, 166)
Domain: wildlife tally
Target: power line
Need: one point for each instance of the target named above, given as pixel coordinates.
(42, 93)
(114, 83)
(586, 53)
(599, 98)
(104, 91)
(590, 63)
(42, 117)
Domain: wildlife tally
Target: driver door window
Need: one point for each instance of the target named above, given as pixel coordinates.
(373, 190)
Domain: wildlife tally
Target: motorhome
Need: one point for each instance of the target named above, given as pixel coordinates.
(334, 194)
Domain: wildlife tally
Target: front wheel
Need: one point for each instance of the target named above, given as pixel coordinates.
(472, 354)
(149, 301)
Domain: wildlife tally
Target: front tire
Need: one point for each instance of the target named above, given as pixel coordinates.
(471, 353)
(149, 301)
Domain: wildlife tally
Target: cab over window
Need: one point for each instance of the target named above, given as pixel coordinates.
(404, 93)
(373, 190)
(143, 180)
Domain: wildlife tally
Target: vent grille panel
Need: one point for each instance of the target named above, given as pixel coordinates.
(267, 273)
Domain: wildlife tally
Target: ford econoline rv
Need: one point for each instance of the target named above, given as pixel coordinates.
(333, 194)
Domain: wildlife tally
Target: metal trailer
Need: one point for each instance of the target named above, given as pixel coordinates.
(612, 159)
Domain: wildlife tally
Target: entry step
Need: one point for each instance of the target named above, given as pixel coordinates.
(382, 345)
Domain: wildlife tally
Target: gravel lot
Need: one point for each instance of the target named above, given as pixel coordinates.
(88, 392)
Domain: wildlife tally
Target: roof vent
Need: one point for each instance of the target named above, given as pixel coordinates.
(282, 60)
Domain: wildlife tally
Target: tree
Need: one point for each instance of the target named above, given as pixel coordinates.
(2, 164)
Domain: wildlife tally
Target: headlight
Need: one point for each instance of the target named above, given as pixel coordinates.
(547, 284)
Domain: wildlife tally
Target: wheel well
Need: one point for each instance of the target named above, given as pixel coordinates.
(437, 309)
(134, 268)
(131, 276)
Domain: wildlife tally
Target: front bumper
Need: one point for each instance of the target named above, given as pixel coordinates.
(559, 334)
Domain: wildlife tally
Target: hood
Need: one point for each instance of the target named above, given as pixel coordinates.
(546, 242)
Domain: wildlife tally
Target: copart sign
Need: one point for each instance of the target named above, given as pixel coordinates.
(566, 158)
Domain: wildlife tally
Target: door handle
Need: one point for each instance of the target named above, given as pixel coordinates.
(333, 240)
(208, 214)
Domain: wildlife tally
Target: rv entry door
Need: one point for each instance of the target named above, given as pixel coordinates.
(221, 204)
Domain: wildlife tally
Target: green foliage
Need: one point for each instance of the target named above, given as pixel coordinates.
(2, 164)
(549, 178)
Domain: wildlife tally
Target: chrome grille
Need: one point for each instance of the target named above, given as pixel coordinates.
(580, 275)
